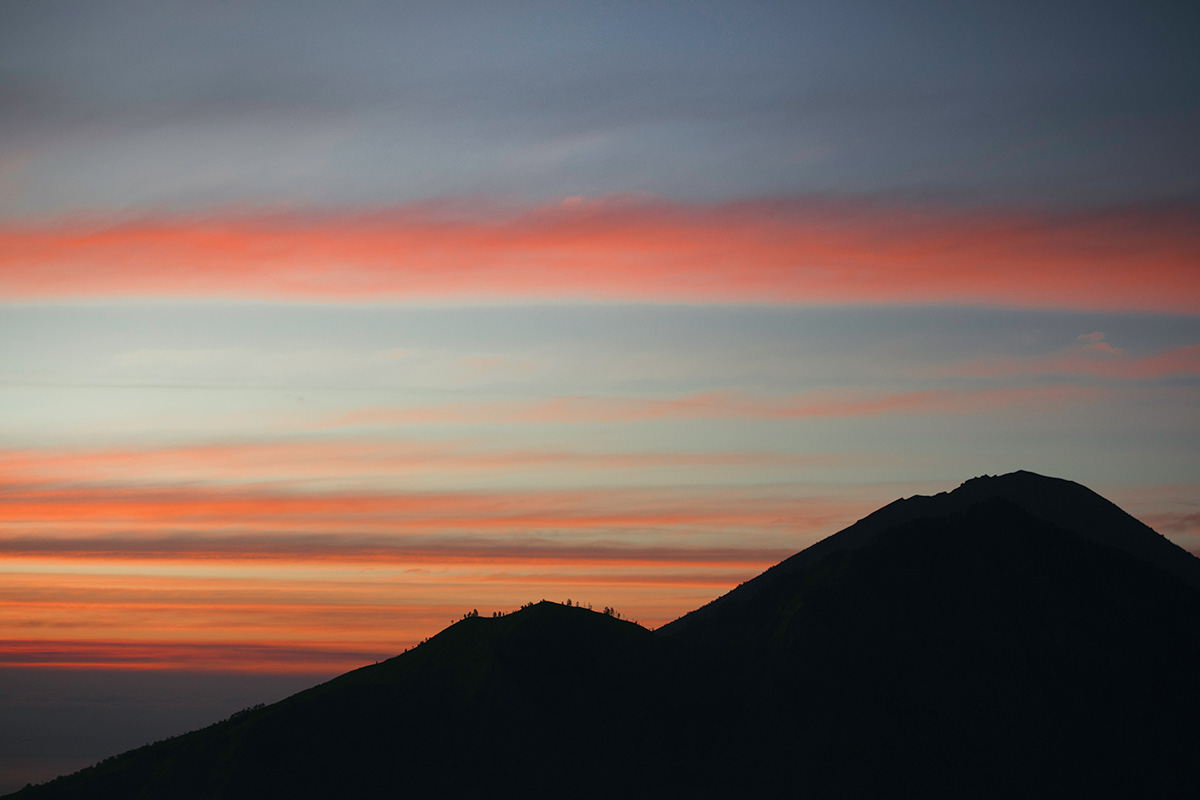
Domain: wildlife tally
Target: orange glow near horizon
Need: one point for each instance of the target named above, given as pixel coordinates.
(306, 615)
(657, 252)
(279, 579)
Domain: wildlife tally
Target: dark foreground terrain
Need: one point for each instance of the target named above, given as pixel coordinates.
(1017, 636)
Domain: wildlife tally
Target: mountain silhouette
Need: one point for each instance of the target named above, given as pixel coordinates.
(1017, 636)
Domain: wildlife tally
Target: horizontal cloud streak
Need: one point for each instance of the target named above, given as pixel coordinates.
(282, 657)
(276, 579)
(1095, 358)
(25, 507)
(382, 549)
(818, 404)
(278, 461)
(765, 252)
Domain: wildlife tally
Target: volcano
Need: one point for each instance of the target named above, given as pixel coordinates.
(1017, 636)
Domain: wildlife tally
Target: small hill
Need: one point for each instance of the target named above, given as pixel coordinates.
(527, 700)
(1019, 636)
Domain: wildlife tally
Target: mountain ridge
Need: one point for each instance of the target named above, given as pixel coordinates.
(1005, 638)
(1031, 491)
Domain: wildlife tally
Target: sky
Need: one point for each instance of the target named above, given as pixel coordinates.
(323, 324)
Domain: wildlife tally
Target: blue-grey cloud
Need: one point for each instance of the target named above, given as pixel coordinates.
(378, 103)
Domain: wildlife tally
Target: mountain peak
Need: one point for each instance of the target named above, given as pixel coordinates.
(1020, 480)
(1058, 502)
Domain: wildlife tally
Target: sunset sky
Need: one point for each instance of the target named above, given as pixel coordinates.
(322, 324)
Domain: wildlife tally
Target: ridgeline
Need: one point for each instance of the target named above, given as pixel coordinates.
(1019, 636)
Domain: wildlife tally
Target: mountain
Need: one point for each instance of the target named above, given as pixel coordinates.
(1019, 635)
(1060, 503)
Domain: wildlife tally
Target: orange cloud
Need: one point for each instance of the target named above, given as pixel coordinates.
(305, 615)
(660, 252)
(115, 508)
(300, 611)
(300, 460)
(274, 580)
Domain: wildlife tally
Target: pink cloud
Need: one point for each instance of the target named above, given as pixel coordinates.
(1096, 344)
(765, 252)
(809, 405)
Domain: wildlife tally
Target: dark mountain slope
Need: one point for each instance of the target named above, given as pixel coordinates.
(1059, 502)
(1078, 509)
(1010, 638)
(986, 653)
(525, 701)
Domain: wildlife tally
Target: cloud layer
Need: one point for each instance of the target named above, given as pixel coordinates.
(766, 252)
